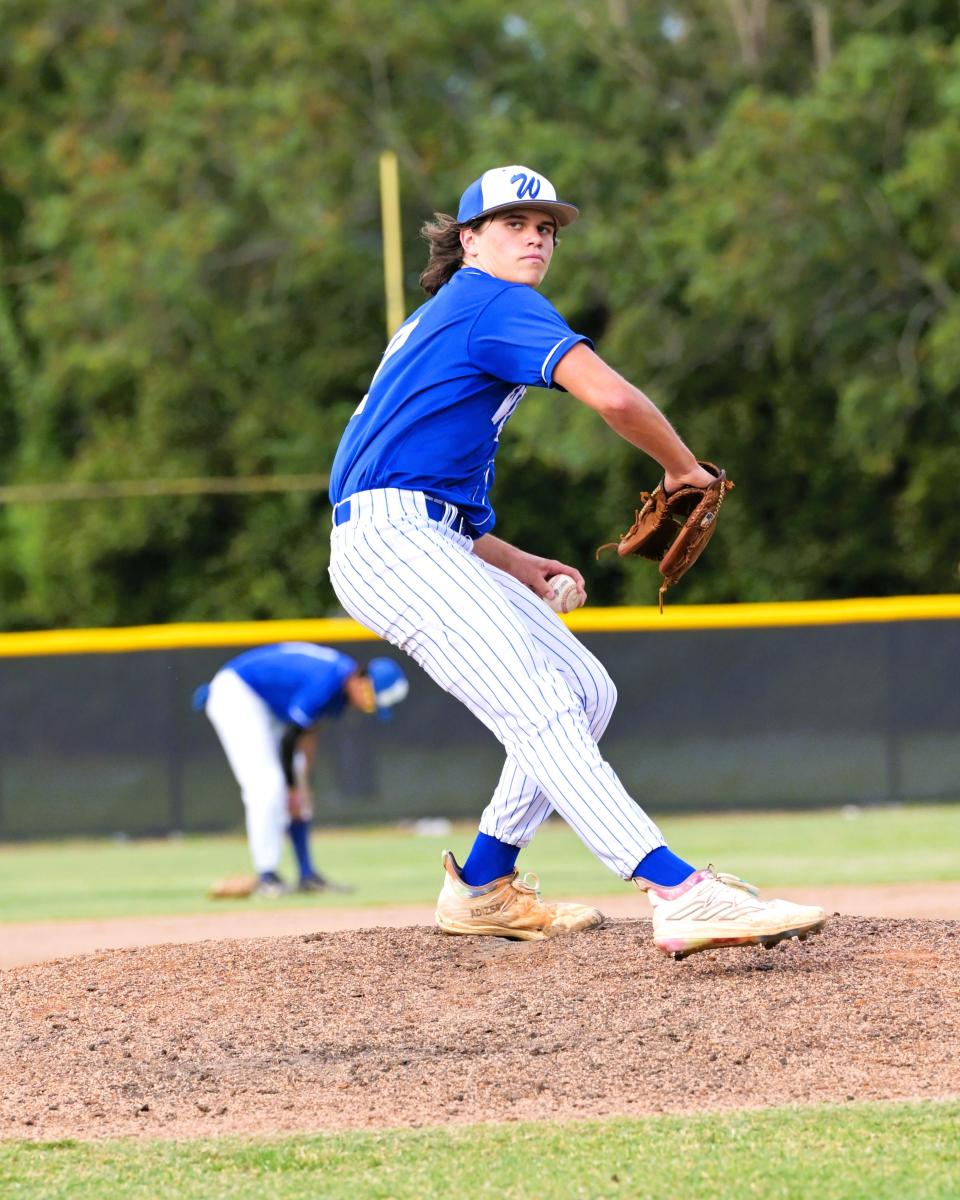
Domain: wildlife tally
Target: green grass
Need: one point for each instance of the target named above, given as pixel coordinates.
(871, 1151)
(84, 879)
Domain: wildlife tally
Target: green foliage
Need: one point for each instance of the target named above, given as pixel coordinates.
(191, 279)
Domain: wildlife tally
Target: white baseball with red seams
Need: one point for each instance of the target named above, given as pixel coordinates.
(566, 595)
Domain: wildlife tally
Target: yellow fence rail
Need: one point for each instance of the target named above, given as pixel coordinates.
(585, 620)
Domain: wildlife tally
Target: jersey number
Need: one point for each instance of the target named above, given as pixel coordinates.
(396, 343)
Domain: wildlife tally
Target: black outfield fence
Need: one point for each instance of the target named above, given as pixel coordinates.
(721, 708)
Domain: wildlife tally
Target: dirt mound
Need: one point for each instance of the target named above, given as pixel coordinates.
(382, 1027)
(38, 941)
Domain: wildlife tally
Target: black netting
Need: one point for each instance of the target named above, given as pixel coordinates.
(707, 719)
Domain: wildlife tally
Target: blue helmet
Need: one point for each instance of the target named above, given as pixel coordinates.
(390, 685)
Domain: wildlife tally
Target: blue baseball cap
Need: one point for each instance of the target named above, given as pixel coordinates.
(512, 187)
(390, 685)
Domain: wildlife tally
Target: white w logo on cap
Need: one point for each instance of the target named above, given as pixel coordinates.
(529, 186)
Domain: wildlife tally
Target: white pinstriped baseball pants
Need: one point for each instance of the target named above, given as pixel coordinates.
(488, 640)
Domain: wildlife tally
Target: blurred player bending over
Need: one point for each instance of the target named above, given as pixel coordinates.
(265, 705)
(414, 559)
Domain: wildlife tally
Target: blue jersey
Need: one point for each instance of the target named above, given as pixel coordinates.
(445, 387)
(299, 682)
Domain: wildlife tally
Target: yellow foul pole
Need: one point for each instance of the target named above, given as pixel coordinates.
(392, 255)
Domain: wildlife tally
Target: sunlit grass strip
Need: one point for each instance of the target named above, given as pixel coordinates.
(388, 866)
(586, 620)
(880, 1151)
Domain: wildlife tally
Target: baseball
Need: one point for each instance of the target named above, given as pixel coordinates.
(566, 595)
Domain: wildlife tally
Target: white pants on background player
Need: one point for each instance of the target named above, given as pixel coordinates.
(488, 640)
(250, 735)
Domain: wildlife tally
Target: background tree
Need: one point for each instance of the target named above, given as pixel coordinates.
(190, 278)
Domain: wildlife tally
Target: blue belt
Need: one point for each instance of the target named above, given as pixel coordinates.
(436, 510)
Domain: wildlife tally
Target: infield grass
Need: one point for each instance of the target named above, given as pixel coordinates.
(388, 866)
(873, 1151)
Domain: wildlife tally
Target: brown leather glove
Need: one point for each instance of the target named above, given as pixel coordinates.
(673, 528)
(233, 887)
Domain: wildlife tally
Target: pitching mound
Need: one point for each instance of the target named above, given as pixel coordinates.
(408, 1027)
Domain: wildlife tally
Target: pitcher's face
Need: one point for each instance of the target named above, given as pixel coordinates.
(515, 245)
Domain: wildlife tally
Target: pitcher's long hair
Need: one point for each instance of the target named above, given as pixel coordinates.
(442, 234)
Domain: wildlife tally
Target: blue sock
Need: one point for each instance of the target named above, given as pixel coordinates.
(488, 859)
(299, 831)
(662, 867)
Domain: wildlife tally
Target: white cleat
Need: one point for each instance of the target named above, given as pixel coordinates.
(710, 910)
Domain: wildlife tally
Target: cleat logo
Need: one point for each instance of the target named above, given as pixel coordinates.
(705, 910)
(484, 910)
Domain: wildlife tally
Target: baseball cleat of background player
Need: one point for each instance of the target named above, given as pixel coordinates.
(710, 910)
(320, 883)
(270, 886)
(509, 907)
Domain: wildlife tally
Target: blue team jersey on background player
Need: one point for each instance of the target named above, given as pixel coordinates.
(447, 383)
(298, 681)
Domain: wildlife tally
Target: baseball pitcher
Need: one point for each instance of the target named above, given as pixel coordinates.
(414, 558)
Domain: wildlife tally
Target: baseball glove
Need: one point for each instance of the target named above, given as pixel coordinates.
(673, 528)
(234, 887)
